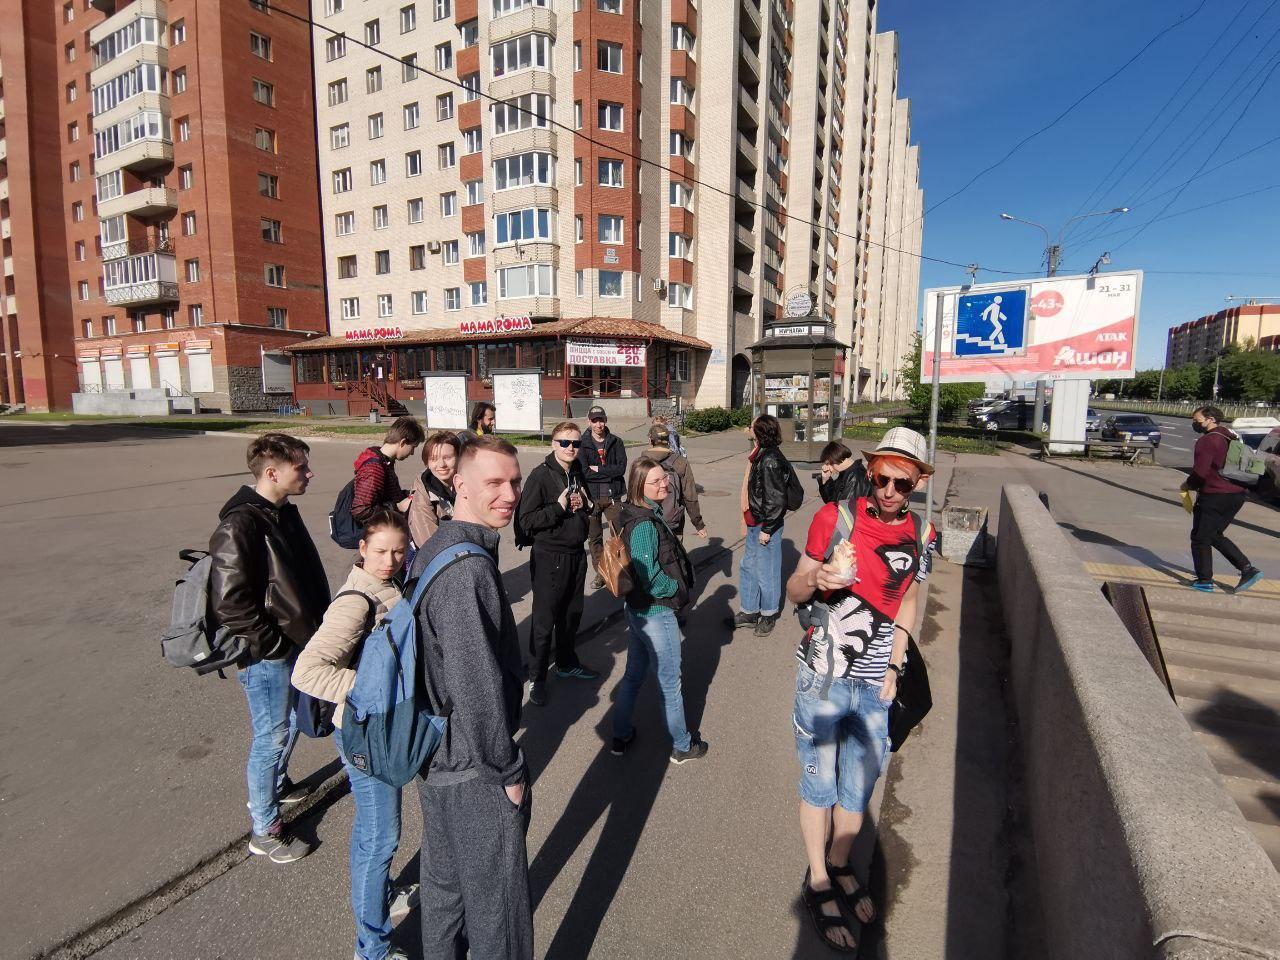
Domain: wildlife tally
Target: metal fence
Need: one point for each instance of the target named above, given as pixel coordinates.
(1184, 408)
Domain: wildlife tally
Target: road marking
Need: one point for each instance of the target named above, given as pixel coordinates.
(1151, 577)
(1174, 446)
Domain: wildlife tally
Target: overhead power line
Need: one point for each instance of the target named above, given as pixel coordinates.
(616, 151)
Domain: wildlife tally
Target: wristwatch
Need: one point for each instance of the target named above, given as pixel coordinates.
(896, 669)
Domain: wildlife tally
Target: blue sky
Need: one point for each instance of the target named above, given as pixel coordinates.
(981, 76)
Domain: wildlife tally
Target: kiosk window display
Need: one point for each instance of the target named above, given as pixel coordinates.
(798, 369)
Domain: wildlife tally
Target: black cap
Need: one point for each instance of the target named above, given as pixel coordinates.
(597, 413)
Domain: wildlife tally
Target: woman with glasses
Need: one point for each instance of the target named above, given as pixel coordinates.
(553, 516)
(661, 575)
(858, 581)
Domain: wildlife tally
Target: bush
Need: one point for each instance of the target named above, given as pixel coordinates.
(741, 416)
(708, 420)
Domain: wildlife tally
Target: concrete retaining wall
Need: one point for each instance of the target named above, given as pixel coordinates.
(1140, 852)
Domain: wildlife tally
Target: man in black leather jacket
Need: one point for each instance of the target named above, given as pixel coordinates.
(764, 507)
(268, 585)
(842, 478)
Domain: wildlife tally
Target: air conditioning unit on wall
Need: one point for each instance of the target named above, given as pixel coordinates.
(660, 285)
(433, 246)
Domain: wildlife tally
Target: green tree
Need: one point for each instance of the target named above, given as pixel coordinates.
(1183, 383)
(1250, 376)
(1145, 385)
(953, 398)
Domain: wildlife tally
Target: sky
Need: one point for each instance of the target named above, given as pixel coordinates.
(981, 76)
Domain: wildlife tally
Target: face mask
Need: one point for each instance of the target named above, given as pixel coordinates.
(1199, 427)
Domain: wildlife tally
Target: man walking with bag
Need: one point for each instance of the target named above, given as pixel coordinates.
(475, 792)
(604, 464)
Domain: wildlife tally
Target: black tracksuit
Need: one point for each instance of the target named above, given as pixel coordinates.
(558, 564)
(607, 484)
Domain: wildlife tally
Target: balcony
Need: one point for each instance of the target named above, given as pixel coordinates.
(686, 14)
(124, 62)
(749, 58)
(684, 66)
(105, 6)
(8, 266)
(150, 278)
(525, 252)
(148, 100)
(528, 20)
(745, 237)
(140, 156)
(6, 229)
(144, 204)
(542, 307)
(743, 282)
(750, 21)
(4, 150)
(745, 191)
(513, 85)
(4, 189)
(140, 294)
(538, 139)
(131, 248)
(748, 106)
(747, 150)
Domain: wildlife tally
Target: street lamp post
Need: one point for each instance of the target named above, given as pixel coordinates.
(1053, 259)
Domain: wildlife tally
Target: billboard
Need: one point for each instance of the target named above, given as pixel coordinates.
(1083, 327)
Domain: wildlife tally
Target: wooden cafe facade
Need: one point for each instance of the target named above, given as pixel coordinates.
(624, 365)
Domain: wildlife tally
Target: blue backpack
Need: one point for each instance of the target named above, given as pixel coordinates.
(390, 727)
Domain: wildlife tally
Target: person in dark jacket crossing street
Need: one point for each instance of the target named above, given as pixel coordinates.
(475, 792)
(267, 585)
(555, 511)
(604, 463)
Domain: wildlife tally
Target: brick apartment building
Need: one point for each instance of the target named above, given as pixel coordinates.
(619, 200)
(1198, 341)
(161, 216)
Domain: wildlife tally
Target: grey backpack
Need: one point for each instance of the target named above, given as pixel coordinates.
(193, 639)
(1243, 465)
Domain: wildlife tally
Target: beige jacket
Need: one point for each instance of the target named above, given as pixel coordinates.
(425, 513)
(324, 667)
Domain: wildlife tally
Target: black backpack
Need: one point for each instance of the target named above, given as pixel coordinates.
(343, 528)
(795, 492)
(673, 505)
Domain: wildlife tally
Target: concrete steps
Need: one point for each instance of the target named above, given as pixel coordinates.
(1223, 657)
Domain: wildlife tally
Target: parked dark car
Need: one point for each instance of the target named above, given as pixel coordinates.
(1269, 486)
(1009, 415)
(1138, 426)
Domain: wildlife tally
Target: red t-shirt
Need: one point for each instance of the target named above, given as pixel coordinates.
(889, 560)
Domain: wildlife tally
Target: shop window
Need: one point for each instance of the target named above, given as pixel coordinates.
(310, 368)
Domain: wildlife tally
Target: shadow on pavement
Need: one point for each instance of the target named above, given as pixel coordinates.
(1140, 554)
(1251, 728)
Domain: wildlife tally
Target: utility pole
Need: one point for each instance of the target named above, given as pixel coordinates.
(1160, 386)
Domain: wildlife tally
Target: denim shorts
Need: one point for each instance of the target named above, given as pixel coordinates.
(842, 742)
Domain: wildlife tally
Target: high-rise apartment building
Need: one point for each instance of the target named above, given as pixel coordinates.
(630, 188)
(165, 226)
(1199, 341)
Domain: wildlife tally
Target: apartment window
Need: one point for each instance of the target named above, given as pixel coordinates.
(610, 173)
(72, 92)
(77, 211)
(381, 262)
(577, 172)
(415, 210)
(411, 115)
(260, 5)
(681, 145)
(409, 67)
(377, 172)
(503, 7)
(449, 253)
(180, 80)
(373, 80)
(384, 304)
(259, 46)
(609, 6)
(609, 229)
(335, 48)
(273, 274)
(608, 56)
(73, 132)
(442, 10)
(444, 56)
(375, 126)
(408, 18)
(80, 251)
(347, 267)
(679, 246)
(681, 195)
(195, 315)
(475, 244)
(344, 224)
(444, 107)
(579, 283)
(340, 136)
(521, 53)
(680, 295)
(83, 289)
(139, 323)
(471, 87)
(269, 185)
(193, 271)
(381, 217)
(265, 93)
(610, 115)
(413, 163)
(109, 326)
(475, 192)
(453, 298)
(577, 55)
(470, 32)
(69, 16)
(448, 156)
(578, 230)
(334, 6)
(87, 326)
(73, 171)
(479, 292)
(528, 225)
(681, 38)
(577, 114)
(529, 280)
(418, 302)
(521, 113)
(449, 204)
(342, 180)
(682, 93)
(472, 141)
(177, 33)
(186, 177)
(277, 317)
(271, 230)
(263, 138)
(524, 170)
(418, 257)
(337, 92)
(610, 283)
(69, 51)
(373, 32)
(350, 308)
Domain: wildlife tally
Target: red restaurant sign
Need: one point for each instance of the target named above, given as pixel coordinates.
(496, 325)
(374, 333)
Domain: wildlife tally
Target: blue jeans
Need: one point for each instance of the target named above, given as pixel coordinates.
(275, 730)
(760, 576)
(375, 834)
(655, 637)
(842, 742)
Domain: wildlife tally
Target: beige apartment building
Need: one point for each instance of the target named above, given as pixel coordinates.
(1199, 341)
(619, 192)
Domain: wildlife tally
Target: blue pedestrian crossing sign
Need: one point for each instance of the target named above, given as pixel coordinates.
(991, 324)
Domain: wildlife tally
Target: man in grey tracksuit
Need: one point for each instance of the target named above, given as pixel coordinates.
(475, 794)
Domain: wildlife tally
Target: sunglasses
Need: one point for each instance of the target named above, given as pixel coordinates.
(903, 485)
(570, 443)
